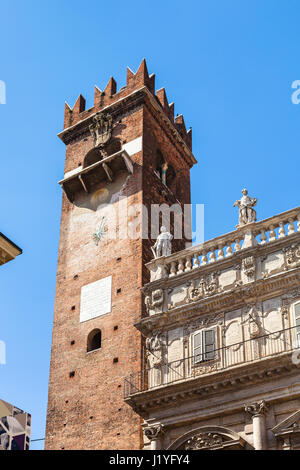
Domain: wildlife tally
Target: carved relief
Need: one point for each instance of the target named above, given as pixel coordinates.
(248, 266)
(207, 320)
(255, 324)
(292, 256)
(154, 299)
(203, 441)
(101, 129)
(155, 346)
(272, 264)
(207, 286)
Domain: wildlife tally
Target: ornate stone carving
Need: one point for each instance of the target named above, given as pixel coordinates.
(163, 246)
(203, 441)
(155, 348)
(207, 286)
(292, 255)
(101, 129)
(154, 299)
(248, 266)
(255, 326)
(247, 214)
(257, 409)
(154, 432)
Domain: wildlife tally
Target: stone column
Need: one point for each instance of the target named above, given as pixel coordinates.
(155, 434)
(258, 411)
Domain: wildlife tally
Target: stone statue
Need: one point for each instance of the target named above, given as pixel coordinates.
(162, 245)
(247, 214)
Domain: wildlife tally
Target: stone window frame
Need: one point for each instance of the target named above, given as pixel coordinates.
(296, 336)
(204, 361)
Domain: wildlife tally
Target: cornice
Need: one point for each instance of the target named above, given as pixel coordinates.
(234, 299)
(213, 383)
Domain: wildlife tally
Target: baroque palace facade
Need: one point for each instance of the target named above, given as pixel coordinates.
(194, 349)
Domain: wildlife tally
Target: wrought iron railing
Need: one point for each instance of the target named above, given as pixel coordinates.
(230, 356)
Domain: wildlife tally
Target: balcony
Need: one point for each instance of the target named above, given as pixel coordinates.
(102, 171)
(255, 352)
(262, 234)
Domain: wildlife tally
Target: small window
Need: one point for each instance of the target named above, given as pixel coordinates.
(297, 323)
(94, 340)
(204, 345)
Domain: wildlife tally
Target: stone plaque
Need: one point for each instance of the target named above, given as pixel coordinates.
(95, 299)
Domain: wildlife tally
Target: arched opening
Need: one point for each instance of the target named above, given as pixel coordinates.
(93, 156)
(159, 163)
(97, 154)
(94, 340)
(171, 178)
(165, 171)
(113, 146)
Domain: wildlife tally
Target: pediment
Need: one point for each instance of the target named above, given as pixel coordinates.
(291, 424)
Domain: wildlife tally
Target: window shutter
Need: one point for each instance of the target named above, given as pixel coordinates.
(197, 347)
(297, 322)
(209, 344)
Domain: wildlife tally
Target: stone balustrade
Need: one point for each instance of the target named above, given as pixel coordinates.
(260, 233)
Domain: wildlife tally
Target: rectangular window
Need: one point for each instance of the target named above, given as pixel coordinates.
(297, 323)
(204, 345)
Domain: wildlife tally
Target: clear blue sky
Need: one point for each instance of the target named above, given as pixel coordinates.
(227, 64)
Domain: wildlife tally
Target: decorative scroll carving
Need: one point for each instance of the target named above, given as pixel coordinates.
(257, 409)
(207, 286)
(255, 326)
(101, 129)
(154, 432)
(155, 348)
(154, 299)
(203, 441)
(292, 255)
(248, 266)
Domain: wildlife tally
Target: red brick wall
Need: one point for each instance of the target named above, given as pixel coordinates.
(88, 411)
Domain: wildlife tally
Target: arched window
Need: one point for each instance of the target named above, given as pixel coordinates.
(92, 157)
(94, 340)
(95, 155)
(113, 146)
(171, 178)
(159, 163)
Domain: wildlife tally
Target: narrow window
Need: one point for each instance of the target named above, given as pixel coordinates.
(297, 323)
(94, 340)
(204, 345)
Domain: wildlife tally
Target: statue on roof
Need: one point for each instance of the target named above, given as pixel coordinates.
(247, 213)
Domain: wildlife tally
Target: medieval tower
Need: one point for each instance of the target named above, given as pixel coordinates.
(124, 153)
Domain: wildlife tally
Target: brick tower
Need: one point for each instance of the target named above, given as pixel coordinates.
(125, 151)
